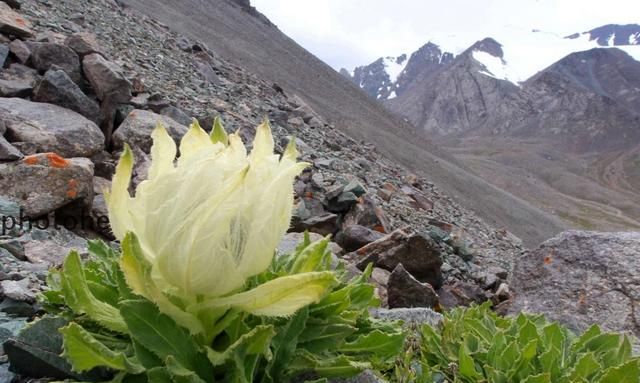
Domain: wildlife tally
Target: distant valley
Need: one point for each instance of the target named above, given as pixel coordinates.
(552, 119)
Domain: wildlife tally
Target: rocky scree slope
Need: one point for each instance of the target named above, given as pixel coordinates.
(74, 87)
(247, 40)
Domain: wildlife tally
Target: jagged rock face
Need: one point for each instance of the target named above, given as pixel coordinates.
(609, 73)
(589, 100)
(458, 97)
(427, 59)
(613, 35)
(374, 79)
(388, 77)
(581, 278)
(586, 102)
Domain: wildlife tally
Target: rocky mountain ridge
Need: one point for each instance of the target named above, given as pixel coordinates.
(379, 83)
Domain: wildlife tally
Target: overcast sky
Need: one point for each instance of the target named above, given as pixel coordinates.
(346, 33)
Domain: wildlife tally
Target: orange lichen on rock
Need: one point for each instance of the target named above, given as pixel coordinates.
(72, 191)
(31, 160)
(55, 161)
(547, 260)
(379, 229)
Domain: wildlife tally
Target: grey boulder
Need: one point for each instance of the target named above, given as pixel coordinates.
(107, 79)
(137, 127)
(51, 128)
(582, 278)
(56, 87)
(45, 182)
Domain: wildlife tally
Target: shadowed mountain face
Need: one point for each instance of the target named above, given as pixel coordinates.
(586, 102)
(613, 35)
(237, 34)
(388, 77)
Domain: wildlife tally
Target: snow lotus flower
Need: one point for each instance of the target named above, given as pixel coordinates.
(201, 225)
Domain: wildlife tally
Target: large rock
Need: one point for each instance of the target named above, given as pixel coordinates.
(12, 23)
(106, 78)
(50, 247)
(36, 353)
(420, 255)
(56, 87)
(51, 128)
(50, 55)
(45, 182)
(403, 290)
(137, 127)
(83, 43)
(581, 278)
(8, 152)
(353, 237)
(366, 213)
(17, 81)
(21, 50)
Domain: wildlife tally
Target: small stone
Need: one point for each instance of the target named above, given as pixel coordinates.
(177, 114)
(8, 152)
(410, 316)
(107, 79)
(21, 50)
(18, 290)
(56, 87)
(137, 127)
(51, 128)
(83, 43)
(419, 255)
(13, 88)
(48, 55)
(12, 23)
(403, 290)
(45, 182)
(353, 237)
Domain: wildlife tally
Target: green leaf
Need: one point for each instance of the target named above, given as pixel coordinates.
(326, 366)
(540, 378)
(585, 367)
(256, 341)
(85, 352)
(311, 257)
(284, 346)
(377, 342)
(318, 338)
(244, 351)
(179, 374)
(159, 334)
(144, 356)
(466, 365)
(626, 373)
(79, 298)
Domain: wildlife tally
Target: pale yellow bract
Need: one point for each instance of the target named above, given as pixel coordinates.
(210, 220)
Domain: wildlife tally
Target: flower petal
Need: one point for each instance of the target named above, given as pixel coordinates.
(193, 141)
(118, 199)
(218, 134)
(163, 152)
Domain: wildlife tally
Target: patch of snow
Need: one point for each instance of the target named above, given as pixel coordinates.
(392, 95)
(611, 41)
(634, 39)
(495, 66)
(392, 67)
